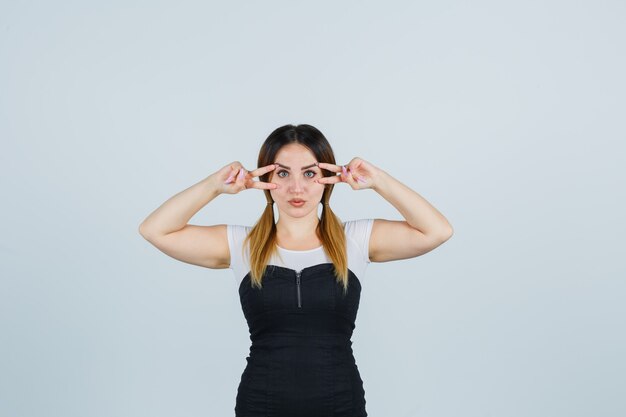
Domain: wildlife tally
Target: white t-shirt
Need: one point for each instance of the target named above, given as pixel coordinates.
(357, 238)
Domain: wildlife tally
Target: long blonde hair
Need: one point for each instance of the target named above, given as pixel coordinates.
(262, 237)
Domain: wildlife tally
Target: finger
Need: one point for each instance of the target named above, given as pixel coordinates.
(263, 185)
(361, 179)
(260, 171)
(333, 179)
(241, 176)
(231, 177)
(347, 175)
(329, 167)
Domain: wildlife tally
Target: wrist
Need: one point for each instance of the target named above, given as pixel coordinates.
(211, 186)
(380, 180)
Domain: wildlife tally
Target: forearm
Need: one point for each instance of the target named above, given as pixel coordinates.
(418, 212)
(175, 213)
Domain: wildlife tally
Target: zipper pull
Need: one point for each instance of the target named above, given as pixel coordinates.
(298, 287)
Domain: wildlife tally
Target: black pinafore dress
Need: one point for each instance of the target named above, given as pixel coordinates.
(301, 362)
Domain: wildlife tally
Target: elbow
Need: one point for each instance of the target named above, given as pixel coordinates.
(447, 234)
(149, 233)
(142, 230)
(448, 230)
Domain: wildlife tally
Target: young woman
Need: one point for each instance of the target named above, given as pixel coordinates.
(298, 276)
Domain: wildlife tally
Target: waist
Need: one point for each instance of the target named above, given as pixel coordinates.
(302, 352)
(322, 326)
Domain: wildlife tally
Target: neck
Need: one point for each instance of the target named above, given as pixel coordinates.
(302, 228)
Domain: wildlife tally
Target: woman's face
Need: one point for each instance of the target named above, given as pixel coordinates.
(296, 181)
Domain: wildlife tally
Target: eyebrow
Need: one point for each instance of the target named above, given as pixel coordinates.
(302, 169)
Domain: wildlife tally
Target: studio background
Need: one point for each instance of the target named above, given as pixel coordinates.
(506, 116)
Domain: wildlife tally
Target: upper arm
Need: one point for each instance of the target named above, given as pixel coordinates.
(197, 245)
(393, 240)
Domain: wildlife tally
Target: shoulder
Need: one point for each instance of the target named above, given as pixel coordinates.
(237, 233)
(238, 228)
(238, 254)
(359, 228)
(358, 233)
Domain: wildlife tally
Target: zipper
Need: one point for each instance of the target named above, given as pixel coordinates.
(298, 287)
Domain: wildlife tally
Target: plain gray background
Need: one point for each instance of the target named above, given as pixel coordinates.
(506, 116)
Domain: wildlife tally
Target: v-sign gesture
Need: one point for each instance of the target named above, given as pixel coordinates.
(359, 174)
(240, 179)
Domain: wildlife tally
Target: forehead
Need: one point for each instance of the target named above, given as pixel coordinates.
(295, 155)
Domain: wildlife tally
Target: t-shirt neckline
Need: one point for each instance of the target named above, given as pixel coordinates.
(301, 251)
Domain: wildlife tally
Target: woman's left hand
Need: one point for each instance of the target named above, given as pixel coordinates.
(359, 173)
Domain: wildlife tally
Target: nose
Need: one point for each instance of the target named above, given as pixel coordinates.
(296, 184)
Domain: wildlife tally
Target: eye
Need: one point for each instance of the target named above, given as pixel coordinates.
(282, 176)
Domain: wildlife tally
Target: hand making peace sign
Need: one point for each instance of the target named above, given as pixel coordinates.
(359, 173)
(234, 178)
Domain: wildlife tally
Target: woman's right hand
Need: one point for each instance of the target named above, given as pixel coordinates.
(234, 178)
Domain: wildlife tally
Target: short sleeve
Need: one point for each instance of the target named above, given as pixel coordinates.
(236, 235)
(231, 243)
(360, 232)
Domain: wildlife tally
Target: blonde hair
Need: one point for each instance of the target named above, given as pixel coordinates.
(262, 237)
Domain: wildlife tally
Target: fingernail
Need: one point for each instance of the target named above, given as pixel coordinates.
(228, 180)
(240, 173)
(345, 172)
(360, 179)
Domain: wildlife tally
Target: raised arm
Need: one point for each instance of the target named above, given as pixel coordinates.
(166, 227)
(424, 229)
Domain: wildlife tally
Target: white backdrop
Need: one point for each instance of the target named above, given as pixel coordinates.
(508, 118)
